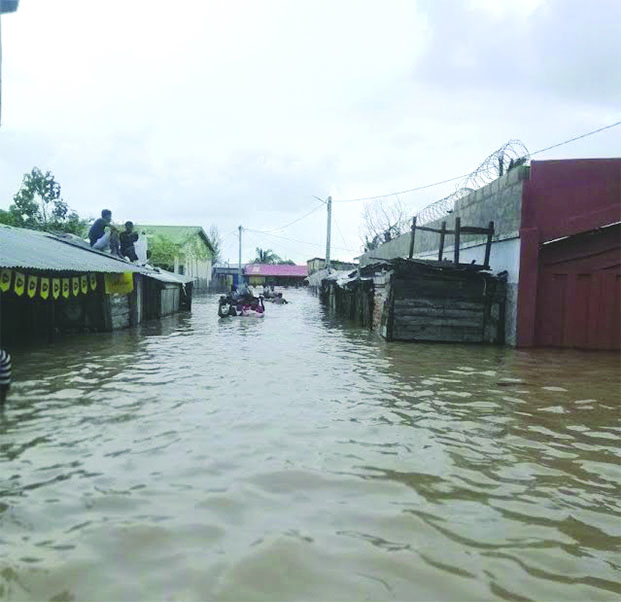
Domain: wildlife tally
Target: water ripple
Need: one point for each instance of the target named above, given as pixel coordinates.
(299, 457)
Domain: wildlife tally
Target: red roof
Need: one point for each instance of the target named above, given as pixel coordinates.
(276, 269)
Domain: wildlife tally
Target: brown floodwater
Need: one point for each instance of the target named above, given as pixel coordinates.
(297, 457)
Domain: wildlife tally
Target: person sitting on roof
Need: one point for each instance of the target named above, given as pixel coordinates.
(127, 239)
(98, 235)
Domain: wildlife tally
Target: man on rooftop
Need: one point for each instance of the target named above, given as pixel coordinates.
(99, 235)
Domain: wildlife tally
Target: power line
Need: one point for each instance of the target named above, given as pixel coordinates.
(606, 127)
(389, 194)
(339, 229)
(424, 187)
(295, 221)
(314, 244)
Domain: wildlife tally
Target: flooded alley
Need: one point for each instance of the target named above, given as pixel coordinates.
(297, 457)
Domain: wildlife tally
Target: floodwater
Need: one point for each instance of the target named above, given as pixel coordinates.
(299, 458)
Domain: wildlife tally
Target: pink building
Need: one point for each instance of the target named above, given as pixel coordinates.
(276, 273)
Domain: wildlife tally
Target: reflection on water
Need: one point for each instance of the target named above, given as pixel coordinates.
(295, 457)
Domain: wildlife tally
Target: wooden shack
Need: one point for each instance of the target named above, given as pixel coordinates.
(52, 284)
(436, 301)
(422, 300)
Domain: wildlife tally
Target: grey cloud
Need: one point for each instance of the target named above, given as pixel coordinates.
(567, 49)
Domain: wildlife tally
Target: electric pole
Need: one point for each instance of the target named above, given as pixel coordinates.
(328, 234)
(239, 275)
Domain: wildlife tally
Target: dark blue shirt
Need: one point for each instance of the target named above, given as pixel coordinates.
(97, 230)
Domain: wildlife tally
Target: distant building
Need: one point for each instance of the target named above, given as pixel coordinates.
(223, 276)
(317, 263)
(194, 251)
(278, 274)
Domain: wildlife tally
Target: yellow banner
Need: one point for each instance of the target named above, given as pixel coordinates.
(75, 286)
(93, 280)
(44, 289)
(119, 284)
(66, 287)
(32, 285)
(5, 280)
(20, 282)
(55, 287)
(84, 284)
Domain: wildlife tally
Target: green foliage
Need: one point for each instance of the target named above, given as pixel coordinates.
(266, 256)
(38, 206)
(286, 262)
(7, 218)
(163, 252)
(195, 247)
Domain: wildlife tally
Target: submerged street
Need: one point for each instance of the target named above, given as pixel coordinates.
(298, 457)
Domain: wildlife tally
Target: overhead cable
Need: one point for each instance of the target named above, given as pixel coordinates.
(295, 221)
(314, 244)
(433, 184)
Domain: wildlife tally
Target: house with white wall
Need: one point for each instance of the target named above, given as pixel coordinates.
(191, 252)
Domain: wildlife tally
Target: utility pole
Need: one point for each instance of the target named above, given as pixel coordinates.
(328, 234)
(239, 275)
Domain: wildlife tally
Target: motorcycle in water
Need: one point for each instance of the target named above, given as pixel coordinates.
(246, 305)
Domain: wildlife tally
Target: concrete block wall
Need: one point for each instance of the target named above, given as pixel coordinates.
(500, 202)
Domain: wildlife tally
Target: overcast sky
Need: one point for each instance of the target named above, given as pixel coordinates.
(241, 112)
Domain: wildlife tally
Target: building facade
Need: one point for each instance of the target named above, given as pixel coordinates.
(189, 251)
(556, 238)
(277, 274)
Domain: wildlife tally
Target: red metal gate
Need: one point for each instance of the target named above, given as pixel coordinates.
(579, 291)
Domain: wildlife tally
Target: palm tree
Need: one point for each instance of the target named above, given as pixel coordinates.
(265, 256)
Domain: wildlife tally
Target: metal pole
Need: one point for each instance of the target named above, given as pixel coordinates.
(457, 237)
(328, 234)
(239, 274)
(412, 234)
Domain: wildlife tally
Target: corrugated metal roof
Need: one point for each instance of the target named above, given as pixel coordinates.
(165, 276)
(20, 248)
(29, 249)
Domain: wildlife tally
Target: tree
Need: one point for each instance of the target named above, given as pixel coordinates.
(216, 243)
(163, 252)
(265, 256)
(382, 222)
(38, 206)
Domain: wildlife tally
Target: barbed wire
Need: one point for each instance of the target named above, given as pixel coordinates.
(442, 207)
(456, 178)
(507, 157)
